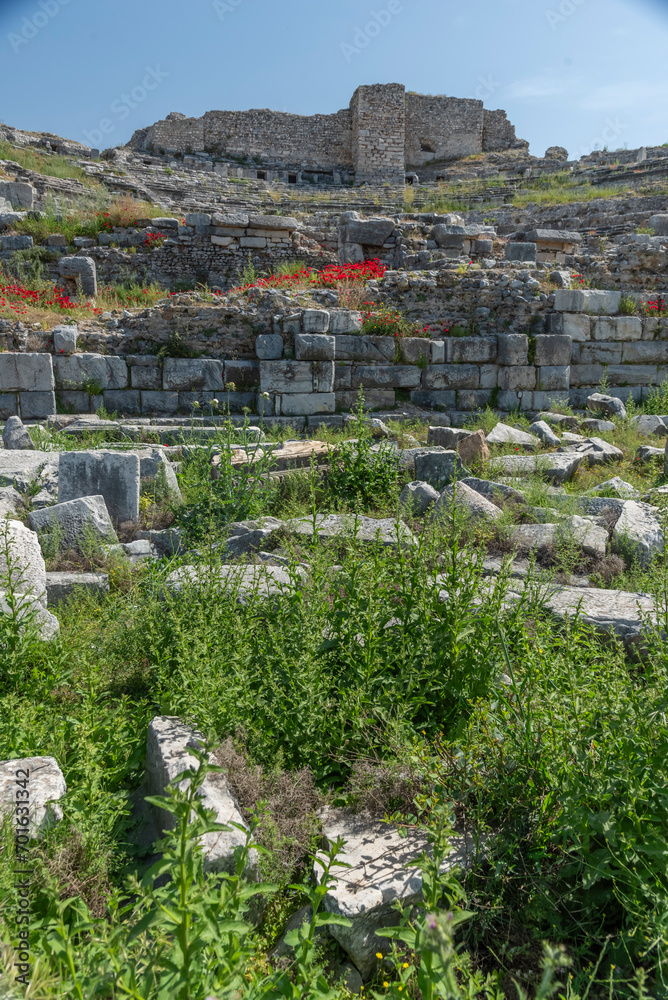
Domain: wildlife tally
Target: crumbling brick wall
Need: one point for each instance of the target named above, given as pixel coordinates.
(498, 133)
(442, 128)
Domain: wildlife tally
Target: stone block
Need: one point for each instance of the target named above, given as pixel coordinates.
(253, 242)
(75, 523)
(374, 399)
(314, 347)
(509, 400)
(198, 219)
(24, 549)
(65, 339)
(272, 222)
(199, 402)
(659, 223)
(438, 352)
(192, 373)
(126, 402)
(436, 399)
(521, 252)
(222, 241)
(645, 352)
(26, 372)
(474, 350)
(351, 253)
(446, 237)
(91, 372)
(11, 243)
(45, 785)
(446, 437)
(554, 377)
(159, 403)
(73, 401)
(323, 376)
(604, 353)
(369, 232)
(269, 346)
(242, 373)
(545, 400)
(552, 349)
(513, 349)
(79, 272)
(342, 377)
(62, 587)
(385, 377)
(590, 374)
(145, 376)
(578, 328)
(450, 377)
(489, 376)
(626, 375)
(300, 404)
(19, 194)
(365, 348)
(286, 376)
(113, 475)
(315, 321)
(616, 328)
(517, 377)
(344, 321)
(438, 468)
(602, 303)
(414, 348)
(37, 405)
(237, 220)
(473, 399)
(9, 405)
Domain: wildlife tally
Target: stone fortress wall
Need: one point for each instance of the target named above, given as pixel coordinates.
(383, 131)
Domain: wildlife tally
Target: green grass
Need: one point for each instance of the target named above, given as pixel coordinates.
(51, 165)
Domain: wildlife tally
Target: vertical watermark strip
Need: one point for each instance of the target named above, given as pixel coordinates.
(22, 873)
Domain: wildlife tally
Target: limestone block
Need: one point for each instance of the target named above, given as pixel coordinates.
(253, 242)
(504, 434)
(416, 498)
(369, 232)
(286, 376)
(363, 348)
(659, 223)
(374, 399)
(145, 377)
(414, 348)
(192, 373)
(323, 376)
(332, 527)
(448, 236)
(272, 222)
(37, 405)
(236, 220)
(552, 349)
(269, 346)
(438, 352)
(242, 373)
(38, 783)
(645, 352)
(18, 193)
(543, 431)
(9, 405)
(126, 402)
(474, 350)
(556, 468)
(198, 219)
(76, 523)
(299, 404)
(597, 352)
(613, 328)
(575, 300)
(513, 349)
(509, 400)
(473, 504)
(12, 243)
(112, 474)
(82, 269)
(222, 241)
(578, 328)
(29, 571)
(473, 449)
(586, 374)
(79, 370)
(524, 252)
(624, 375)
(446, 437)
(344, 321)
(435, 399)
(315, 321)
(168, 744)
(26, 372)
(438, 468)
(450, 377)
(611, 406)
(351, 253)
(489, 376)
(65, 339)
(61, 587)
(638, 532)
(386, 376)
(159, 403)
(517, 377)
(16, 437)
(554, 377)
(474, 399)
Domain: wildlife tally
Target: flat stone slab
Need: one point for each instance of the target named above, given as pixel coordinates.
(638, 532)
(63, 586)
(595, 451)
(244, 581)
(589, 537)
(556, 468)
(377, 877)
(504, 434)
(168, 743)
(21, 468)
(75, 523)
(617, 613)
(43, 781)
(330, 527)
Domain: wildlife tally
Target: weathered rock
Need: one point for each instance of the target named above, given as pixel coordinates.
(350, 976)
(638, 532)
(43, 780)
(169, 541)
(302, 916)
(10, 501)
(615, 487)
(376, 879)
(248, 536)
(16, 437)
(542, 430)
(561, 420)
(31, 609)
(467, 500)
(590, 537)
(649, 425)
(646, 453)
(112, 474)
(555, 468)
(438, 468)
(62, 587)
(153, 464)
(503, 434)
(416, 498)
(168, 744)
(495, 491)
(446, 437)
(593, 425)
(239, 581)
(27, 570)
(473, 449)
(609, 405)
(611, 613)
(337, 527)
(75, 524)
(65, 339)
(595, 451)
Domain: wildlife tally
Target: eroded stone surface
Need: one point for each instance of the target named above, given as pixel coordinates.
(556, 468)
(473, 504)
(504, 434)
(241, 581)
(43, 780)
(385, 530)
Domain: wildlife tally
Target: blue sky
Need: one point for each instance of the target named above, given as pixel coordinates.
(575, 73)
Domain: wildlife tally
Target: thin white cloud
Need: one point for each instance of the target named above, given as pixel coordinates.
(628, 95)
(547, 85)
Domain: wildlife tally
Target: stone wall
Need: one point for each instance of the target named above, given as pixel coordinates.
(498, 133)
(441, 128)
(177, 134)
(379, 133)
